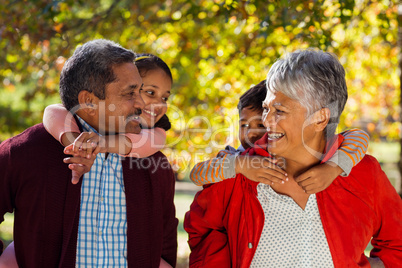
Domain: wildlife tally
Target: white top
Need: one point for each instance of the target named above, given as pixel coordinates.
(291, 236)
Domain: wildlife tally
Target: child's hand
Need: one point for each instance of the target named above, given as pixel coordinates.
(90, 142)
(260, 169)
(79, 163)
(319, 177)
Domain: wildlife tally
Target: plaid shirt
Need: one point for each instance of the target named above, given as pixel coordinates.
(102, 230)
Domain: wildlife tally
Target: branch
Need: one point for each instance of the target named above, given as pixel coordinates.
(93, 21)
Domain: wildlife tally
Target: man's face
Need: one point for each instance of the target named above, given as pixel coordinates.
(251, 127)
(285, 120)
(120, 110)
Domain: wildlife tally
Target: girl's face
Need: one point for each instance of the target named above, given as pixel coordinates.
(155, 93)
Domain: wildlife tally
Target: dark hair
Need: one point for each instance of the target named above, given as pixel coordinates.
(90, 68)
(253, 98)
(146, 62)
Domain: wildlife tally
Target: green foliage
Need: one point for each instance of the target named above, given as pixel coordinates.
(216, 49)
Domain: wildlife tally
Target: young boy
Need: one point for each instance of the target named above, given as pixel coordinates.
(230, 162)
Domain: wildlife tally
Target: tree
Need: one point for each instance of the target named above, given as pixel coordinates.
(400, 79)
(216, 49)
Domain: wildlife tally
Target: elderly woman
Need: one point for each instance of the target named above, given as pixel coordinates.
(241, 223)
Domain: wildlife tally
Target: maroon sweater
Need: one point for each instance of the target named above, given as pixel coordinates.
(36, 185)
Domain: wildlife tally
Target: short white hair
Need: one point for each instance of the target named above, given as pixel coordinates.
(315, 79)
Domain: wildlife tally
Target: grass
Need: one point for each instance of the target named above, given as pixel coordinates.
(385, 152)
(182, 202)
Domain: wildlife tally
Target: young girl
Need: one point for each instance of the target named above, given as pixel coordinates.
(157, 83)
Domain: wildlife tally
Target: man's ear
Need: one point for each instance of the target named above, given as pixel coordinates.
(88, 102)
(321, 119)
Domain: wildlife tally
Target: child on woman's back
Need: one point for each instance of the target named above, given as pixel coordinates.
(230, 161)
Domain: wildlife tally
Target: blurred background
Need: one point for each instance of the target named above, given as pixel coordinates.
(216, 50)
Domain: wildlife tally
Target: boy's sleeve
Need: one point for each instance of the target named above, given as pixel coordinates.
(148, 142)
(217, 169)
(352, 150)
(58, 121)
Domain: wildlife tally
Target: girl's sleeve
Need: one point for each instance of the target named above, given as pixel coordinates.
(217, 169)
(352, 150)
(148, 142)
(58, 121)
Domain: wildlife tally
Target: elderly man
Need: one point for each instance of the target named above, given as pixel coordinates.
(121, 214)
(241, 223)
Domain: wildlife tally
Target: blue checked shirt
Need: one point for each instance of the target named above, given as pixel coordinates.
(102, 230)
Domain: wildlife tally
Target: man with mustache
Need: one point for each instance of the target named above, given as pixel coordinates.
(120, 214)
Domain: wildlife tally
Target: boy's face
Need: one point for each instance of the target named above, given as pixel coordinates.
(251, 127)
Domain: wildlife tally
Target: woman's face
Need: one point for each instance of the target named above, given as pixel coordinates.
(155, 93)
(288, 130)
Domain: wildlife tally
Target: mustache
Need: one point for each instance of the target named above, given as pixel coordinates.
(135, 115)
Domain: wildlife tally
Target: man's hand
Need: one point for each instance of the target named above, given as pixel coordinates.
(318, 178)
(260, 169)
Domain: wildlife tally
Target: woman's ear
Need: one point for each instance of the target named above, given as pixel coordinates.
(321, 119)
(87, 101)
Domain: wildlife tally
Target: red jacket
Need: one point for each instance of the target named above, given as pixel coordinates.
(225, 220)
(36, 184)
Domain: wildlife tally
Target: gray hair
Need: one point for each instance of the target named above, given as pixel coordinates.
(315, 79)
(90, 68)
